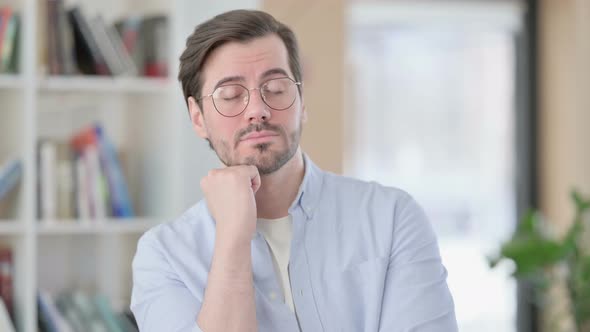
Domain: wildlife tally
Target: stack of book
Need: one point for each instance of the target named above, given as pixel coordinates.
(9, 39)
(77, 44)
(78, 311)
(81, 178)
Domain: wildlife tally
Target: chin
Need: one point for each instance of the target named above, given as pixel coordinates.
(266, 160)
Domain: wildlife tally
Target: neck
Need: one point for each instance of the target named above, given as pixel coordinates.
(278, 190)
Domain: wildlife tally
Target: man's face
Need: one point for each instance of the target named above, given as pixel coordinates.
(260, 136)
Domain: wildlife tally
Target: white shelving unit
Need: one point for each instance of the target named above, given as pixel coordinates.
(10, 81)
(90, 227)
(104, 84)
(146, 119)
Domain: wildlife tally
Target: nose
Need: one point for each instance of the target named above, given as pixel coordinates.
(257, 110)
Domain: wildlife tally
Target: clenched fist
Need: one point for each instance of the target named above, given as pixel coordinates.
(229, 193)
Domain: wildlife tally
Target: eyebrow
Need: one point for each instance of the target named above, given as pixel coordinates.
(274, 71)
(228, 79)
(270, 72)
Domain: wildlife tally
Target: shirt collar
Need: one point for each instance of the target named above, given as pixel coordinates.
(309, 191)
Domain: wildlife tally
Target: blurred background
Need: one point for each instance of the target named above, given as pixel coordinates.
(478, 108)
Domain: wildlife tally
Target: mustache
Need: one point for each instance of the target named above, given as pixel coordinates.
(257, 127)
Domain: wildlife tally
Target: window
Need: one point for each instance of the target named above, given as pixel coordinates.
(431, 110)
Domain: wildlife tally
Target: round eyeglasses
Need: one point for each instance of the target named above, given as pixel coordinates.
(231, 100)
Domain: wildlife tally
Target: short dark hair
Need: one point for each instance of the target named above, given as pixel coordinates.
(236, 25)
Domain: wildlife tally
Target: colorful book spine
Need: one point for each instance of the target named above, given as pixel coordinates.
(5, 14)
(6, 280)
(120, 199)
(117, 193)
(8, 52)
(10, 175)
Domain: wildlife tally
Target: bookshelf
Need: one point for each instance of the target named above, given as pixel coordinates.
(97, 227)
(145, 118)
(11, 227)
(119, 85)
(8, 81)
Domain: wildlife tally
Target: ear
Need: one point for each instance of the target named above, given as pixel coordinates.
(303, 112)
(197, 118)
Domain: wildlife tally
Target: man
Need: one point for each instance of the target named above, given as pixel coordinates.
(278, 244)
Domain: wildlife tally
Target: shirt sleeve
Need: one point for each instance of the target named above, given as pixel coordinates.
(416, 296)
(160, 301)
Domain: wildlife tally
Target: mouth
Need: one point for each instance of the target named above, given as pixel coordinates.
(259, 136)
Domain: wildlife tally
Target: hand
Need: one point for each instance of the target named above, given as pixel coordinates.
(229, 193)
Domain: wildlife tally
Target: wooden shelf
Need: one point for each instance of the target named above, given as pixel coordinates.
(88, 227)
(103, 84)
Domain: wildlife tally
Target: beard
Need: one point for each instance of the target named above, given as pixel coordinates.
(264, 157)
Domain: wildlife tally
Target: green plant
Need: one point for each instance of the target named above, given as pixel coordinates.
(535, 251)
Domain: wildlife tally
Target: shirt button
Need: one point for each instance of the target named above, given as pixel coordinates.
(273, 295)
(301, 292)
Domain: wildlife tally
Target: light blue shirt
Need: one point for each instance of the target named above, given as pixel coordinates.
(363, 258)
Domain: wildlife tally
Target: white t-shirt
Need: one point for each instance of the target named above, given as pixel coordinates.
(277, 233)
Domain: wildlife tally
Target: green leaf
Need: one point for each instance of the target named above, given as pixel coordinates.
(532, 253)
(581, 204)
(528, 224)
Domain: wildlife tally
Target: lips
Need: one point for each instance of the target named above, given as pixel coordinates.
(259, 135)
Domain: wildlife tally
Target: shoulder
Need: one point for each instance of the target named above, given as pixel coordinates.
(376, 202)
(365, 192)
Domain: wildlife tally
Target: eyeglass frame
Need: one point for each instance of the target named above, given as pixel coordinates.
(259, 88)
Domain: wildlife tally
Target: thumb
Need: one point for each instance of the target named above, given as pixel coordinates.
(255, 179)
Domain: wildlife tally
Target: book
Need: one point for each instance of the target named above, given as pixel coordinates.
(120, 198)
(53, 46)
(109, 318)
(47, 319)
(6, 280)
(10, 175)
(5, 321)
(129, 30)
(128, 66)
(155, 31)
(81, 190)
(98, 29)
(50, 318)
(47, 178)
(5, 15)
(118, 193)
(60, 40)
(85, 144)
(96, 182)
(65, 40)
(56, 181)
(130, 318)
(65, 181)
(11, 172)
(82, 311)
(78, 44)
(72, 314)
(88, 311)
(128, 322)
(10, 44)
(89, 57)
(80, 177)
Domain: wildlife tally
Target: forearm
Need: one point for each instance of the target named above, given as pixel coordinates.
(228, 304)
